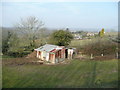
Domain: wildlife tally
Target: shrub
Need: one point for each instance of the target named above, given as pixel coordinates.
(18, 54)
(61, 37)
(100, 47)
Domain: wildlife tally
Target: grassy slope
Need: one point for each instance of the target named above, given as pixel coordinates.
(76, 74)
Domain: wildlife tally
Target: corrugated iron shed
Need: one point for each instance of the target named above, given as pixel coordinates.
(47, 47)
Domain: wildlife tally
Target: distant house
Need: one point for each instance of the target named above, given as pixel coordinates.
(53, 53)
(77, 36)
(91, 34)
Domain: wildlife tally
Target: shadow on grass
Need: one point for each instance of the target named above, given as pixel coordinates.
(92, 82)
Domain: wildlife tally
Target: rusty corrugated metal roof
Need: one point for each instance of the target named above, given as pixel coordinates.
(46, 47)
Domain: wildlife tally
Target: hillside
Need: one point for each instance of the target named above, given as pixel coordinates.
(76, 74)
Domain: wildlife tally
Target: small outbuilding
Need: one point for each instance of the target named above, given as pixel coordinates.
(51, 53)
(54, 54)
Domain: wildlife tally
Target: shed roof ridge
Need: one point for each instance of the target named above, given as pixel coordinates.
(50, 44)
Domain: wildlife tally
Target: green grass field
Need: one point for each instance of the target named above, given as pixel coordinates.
(83, 74)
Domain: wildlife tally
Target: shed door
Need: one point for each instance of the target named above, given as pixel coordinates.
(51, 57)
(66, 53)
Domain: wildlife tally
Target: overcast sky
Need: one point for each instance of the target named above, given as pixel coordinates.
(63, 14)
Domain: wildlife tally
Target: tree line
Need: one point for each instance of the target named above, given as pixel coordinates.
(30, 33)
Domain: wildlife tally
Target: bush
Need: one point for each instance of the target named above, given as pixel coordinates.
(18, 54)
(27, 48)
(61, 37)
(99, 47)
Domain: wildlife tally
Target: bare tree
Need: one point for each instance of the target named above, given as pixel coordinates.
(30, 28)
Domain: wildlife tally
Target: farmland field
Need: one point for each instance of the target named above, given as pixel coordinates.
(83, 74)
